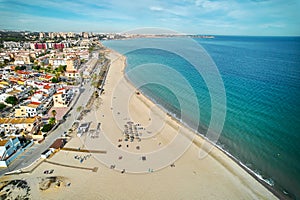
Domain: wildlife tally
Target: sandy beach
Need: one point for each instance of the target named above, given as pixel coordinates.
(159, 160)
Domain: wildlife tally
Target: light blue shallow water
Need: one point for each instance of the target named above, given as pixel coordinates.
(262, 81)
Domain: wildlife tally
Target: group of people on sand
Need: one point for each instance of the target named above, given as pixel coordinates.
(81, 159)
(131, 131)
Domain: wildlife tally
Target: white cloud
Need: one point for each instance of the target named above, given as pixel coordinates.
(221, 15)
(212, 5)
(156, 8)
(173, 10)
(273, 25)
(238, 14)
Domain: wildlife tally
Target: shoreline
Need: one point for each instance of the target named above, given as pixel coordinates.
(198, 135)
(91, 175)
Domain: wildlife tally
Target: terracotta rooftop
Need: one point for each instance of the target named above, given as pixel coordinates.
(47, 87)
(58, 93)
(35, 103)
(48, 76)
(31, 105)
(17, 120)
(57, 144)
(3, 142)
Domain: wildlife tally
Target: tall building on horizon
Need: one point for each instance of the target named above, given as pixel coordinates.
(42, 35)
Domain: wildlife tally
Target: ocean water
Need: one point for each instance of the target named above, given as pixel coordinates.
(261, 77)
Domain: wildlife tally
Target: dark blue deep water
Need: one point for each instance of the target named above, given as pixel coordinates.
(261, 77)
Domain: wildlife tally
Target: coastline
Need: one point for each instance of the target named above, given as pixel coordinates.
(202, 137)
(216, 176)
(173, 117)
(199, 136)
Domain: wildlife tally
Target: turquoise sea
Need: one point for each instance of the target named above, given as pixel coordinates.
(261, 76)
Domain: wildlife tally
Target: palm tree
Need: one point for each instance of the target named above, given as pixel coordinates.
(52, 121)
(57, 75)
(53, 112)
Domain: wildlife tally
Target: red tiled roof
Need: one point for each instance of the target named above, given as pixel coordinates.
(60, 89)
(58, 93)
(35, 103)
(58, 143)
(22, 72)
(71, 71)
(48, 76)
(47, 87)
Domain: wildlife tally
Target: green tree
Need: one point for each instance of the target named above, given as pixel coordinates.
(54, 80)
(36, 67)
(61, 68)
(47, 127)
(57, 75)
(91, 49)
(20, 68)
(2, 106)
(52, 121)
(32, 60)
(53, 112)
(11, 100)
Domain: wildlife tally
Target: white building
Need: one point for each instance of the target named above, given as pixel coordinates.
(55, 62)
(3, 97)
(7, 148)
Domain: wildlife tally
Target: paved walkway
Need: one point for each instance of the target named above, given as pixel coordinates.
(95, 169)
(27, 171)
(83, 150)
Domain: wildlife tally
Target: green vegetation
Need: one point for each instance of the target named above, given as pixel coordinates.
(36, 67)
(4, 63)
(20, 68)
(52, 121)
(79, 108)
(31, 59)
(54, 80)
(13, 38)
(11, 100)
(61, 68)
(47, 127)
(53, 112)
(2, 106)
(91, 48)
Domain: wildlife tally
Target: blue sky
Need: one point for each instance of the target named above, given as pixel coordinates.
(231, 17)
